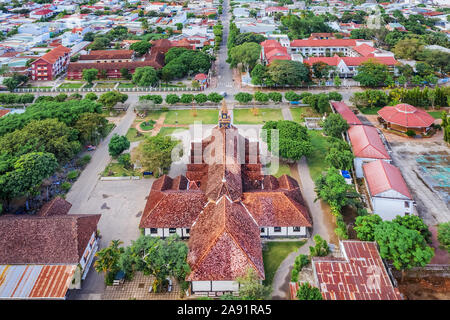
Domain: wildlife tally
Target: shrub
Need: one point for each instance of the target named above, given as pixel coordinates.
(172, 98)
(336, 96)
(292, 96)
(91, 96)
(275, 97)
(65, 186)
(84, 160)
(72, 175)
(410, 133)
(444, 236)
(124, 160)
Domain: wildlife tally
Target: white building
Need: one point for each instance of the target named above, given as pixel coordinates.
(389, 194)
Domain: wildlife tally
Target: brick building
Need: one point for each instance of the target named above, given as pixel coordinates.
(50, 64)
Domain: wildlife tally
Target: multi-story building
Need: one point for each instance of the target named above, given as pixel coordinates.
(50, 64)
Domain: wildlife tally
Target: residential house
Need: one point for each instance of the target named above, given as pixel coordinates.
(50, 64)
(389, 194)
(44, 255)
(366, 146)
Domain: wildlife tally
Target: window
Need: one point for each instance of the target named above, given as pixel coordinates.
(187, 230)
(277, 229)
(262, 230)
(172, 230)
(296, 229)
(153, 230)
(406, 204)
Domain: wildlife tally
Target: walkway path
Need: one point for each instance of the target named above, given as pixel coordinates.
(322, 223)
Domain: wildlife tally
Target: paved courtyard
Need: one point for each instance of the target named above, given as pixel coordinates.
(137, 289)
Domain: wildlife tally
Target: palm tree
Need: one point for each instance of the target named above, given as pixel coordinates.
(108, 257)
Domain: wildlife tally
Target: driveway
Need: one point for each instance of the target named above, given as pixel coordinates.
(322, 224)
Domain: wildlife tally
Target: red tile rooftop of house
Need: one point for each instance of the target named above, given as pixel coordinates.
(359, 275)
(406, 116)
(343, 109)
(3, 112)
(382, 176)
(366, 143)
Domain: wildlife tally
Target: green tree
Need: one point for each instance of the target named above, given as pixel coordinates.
(320, 249)
(333, 189)
(261, 96)
(187, 98)
(243, 97)
(287, 72)
(292, 96)
(111, 98)
(125, 73)
(155, 154)
(413, 222)
(294, 141)
(117, 145)
(48, 135)
(27, 173)
(246, 54)
(172, 98)
(108, 258)
(275, 97)
(337, 81)
(307, 292)
(365, 226)
(340, 159)
(145, 77)
(373, 74)
(406, 248)
(91, 96)
(91, 127)
(444, 235)
(259, 74)
(214, 97)
(408, 48)
(250, 287)
(334, 125)
(200, 98)
(89, 75)
(141, 47)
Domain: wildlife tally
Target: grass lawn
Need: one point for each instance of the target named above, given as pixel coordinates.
(118, 171)
(246, 116)
(435, 114)
(369, 111)
(105, 85)
(274, 253)
(316, 160)
(70, 85)
(299, 113)
(147, 125)
(165, 131)
(126, 85)
(283, 168)
(186, 116)
(87, 86)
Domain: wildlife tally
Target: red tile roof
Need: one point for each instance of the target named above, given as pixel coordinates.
(351, 61)
(107, 55)
(324, 43)
(366, 143)
(57, 206)
(364, 49)
(224, 243)
(360, 275)
(54, 54)
(406, 116)
(45, 238)
(382, 176)
(343, 109)
(3, 112)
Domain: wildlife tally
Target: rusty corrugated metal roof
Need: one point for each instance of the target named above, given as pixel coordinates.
(35, 281)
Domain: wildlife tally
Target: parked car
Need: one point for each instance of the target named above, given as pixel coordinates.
(91, 148)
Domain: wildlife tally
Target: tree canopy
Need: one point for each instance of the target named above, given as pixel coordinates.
(373, 74)
(294, 141)
(145, 76)
(117, 145)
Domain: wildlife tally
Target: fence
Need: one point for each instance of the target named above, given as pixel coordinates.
(120, 178)
(134, 89)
